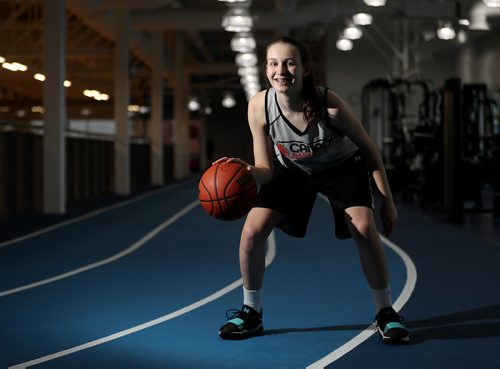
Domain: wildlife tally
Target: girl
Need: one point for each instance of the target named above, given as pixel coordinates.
(306, 140)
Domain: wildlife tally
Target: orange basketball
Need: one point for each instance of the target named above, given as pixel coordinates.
(227, 191)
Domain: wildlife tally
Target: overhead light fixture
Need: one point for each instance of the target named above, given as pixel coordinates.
(15, 67)
(362, 19)
(237, 20)
(243, 42)
(96, 95)
(37, 109)
(2, 59)
(446, 31)
(344, 44)
(247, 71)
(374, 2)
(352, 32)
(193, 104)
(39, 77)
(246, 59)
(464, 22)
(233, 1)
(492, 3)
(208, 110)
(228, 100)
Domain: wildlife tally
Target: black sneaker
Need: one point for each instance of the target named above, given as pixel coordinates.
(241, 324)
(390, 327)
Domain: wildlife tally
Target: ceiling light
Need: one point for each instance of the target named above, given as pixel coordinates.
(37, 109)
(352, 32)
(243, 42)
(344, 44)
(464, 22)
(67, 83)
(362, 19)
(2, 59)
(208, 110)
(39, 77)
(237, 20)
(246, 59)
(492, 3)
(15, 67)
(233, 1)
(446, 31)
(374, 2)
(193, 104)
(228, 100)
(248, 71)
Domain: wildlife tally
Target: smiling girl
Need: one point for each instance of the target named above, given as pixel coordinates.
(307, 140)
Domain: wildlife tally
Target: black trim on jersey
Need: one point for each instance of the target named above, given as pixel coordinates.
(288, 123)
(267, 113)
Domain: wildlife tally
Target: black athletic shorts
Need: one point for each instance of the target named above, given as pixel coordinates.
(294, 193)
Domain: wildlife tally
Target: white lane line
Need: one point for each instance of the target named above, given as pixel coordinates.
(270, 255)
(90, 215)
(108, 260)
(411, 280)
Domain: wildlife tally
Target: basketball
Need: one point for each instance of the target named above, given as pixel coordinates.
(227, 191)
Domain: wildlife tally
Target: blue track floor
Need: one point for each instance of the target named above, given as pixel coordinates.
(146, 283)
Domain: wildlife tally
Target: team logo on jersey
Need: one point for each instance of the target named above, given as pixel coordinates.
(301, 150)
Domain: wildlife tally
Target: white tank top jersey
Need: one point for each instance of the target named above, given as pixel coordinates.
(319, 147)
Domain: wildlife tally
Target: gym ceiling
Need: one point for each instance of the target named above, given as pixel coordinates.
(210, 60)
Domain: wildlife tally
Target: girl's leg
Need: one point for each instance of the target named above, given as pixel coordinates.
(258, 225)
(360, 220)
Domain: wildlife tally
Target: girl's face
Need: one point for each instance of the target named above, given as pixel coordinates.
(284, 68)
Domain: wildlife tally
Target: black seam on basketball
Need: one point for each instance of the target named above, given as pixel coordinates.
(217, 191)
(231, 180)
(209, 195)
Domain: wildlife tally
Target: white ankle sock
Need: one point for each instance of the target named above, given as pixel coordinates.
(253, 298)
(382, 298)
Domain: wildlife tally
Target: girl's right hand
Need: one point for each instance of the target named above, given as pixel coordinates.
(233, 160)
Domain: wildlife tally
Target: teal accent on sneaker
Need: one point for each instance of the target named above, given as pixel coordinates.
(389, 325)
(393, 325)
(241, 324)
(236, 321)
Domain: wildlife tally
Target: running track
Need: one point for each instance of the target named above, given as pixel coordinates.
(145, 284)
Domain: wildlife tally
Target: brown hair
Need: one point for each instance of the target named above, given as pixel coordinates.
(311, 104)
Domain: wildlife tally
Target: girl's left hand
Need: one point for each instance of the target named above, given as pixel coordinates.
(388, 215)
